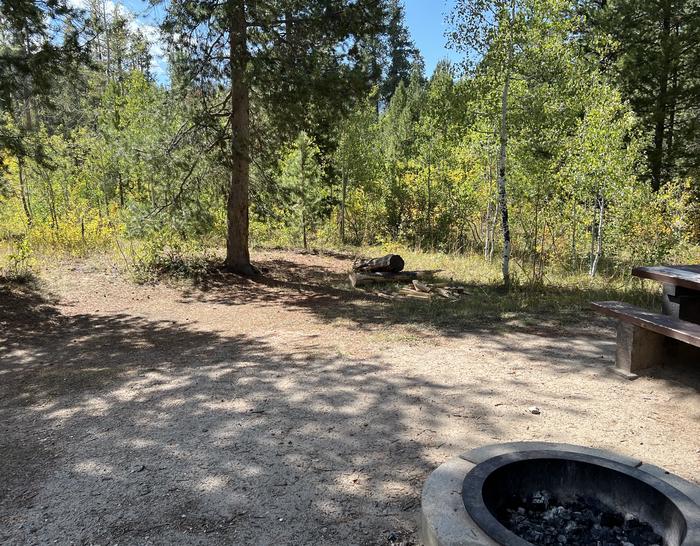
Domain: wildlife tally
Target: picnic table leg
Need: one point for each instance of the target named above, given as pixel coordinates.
(668, 307)
(681, 303)
(638, 349)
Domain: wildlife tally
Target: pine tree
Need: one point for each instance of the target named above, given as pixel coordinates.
(301, 176)
(656, 59)
(401, 52)
(284, 56)
(38, 45)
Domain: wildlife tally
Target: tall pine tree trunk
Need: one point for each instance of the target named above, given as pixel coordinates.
(660, 110)
(237, 255)
(670, 160)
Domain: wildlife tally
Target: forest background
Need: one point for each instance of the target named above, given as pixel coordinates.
(566, 142)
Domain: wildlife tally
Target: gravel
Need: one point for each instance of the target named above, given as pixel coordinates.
(250, 402)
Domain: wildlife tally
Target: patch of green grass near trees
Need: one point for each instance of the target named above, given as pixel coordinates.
(561, 297)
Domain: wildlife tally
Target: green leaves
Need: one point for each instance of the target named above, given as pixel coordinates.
(650, 49)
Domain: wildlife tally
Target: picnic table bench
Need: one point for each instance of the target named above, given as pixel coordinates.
(646, 339)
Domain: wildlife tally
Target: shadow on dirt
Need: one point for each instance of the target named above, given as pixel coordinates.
(116, 428)
(133, 428)
(320, 287)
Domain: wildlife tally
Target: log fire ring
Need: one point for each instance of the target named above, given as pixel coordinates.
(524, 493)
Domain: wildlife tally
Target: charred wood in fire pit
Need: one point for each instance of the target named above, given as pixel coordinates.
(543, 520)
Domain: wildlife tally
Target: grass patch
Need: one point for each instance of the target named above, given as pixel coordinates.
(562, 299)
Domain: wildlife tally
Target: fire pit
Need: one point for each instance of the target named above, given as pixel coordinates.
(526, 493)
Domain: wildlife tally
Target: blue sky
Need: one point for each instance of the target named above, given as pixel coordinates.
(425, 20)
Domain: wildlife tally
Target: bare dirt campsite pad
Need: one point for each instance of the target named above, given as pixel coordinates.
(286, 411)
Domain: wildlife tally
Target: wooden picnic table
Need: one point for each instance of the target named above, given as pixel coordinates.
(646, 339)
(681, 289)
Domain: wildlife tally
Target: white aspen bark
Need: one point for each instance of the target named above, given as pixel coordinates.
(24, 191)
(502, 194)
(599, 235)
(430, 204)
(488, 175)
(29, 128)
(573, 235)
(491, 231)
(487, 230)
(591, 252)
(108, 51)
(342, 206)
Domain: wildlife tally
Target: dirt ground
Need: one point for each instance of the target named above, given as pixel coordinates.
(283, 411)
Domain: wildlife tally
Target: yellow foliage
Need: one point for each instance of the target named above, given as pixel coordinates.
(77, 233)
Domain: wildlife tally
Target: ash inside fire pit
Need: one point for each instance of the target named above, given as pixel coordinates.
(540, 518)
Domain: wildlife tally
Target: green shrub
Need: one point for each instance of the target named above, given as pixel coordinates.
(20, 264)
(168, 255)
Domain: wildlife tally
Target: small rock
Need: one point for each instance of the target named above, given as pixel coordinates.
(137, 468)
(534, 410)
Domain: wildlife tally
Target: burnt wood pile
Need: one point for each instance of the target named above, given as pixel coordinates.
(543, 520)
(389, 269)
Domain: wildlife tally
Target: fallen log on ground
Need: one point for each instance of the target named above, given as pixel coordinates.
(391, 263)
(361, 279)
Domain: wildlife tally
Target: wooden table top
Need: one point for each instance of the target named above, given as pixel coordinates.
(687, 276)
